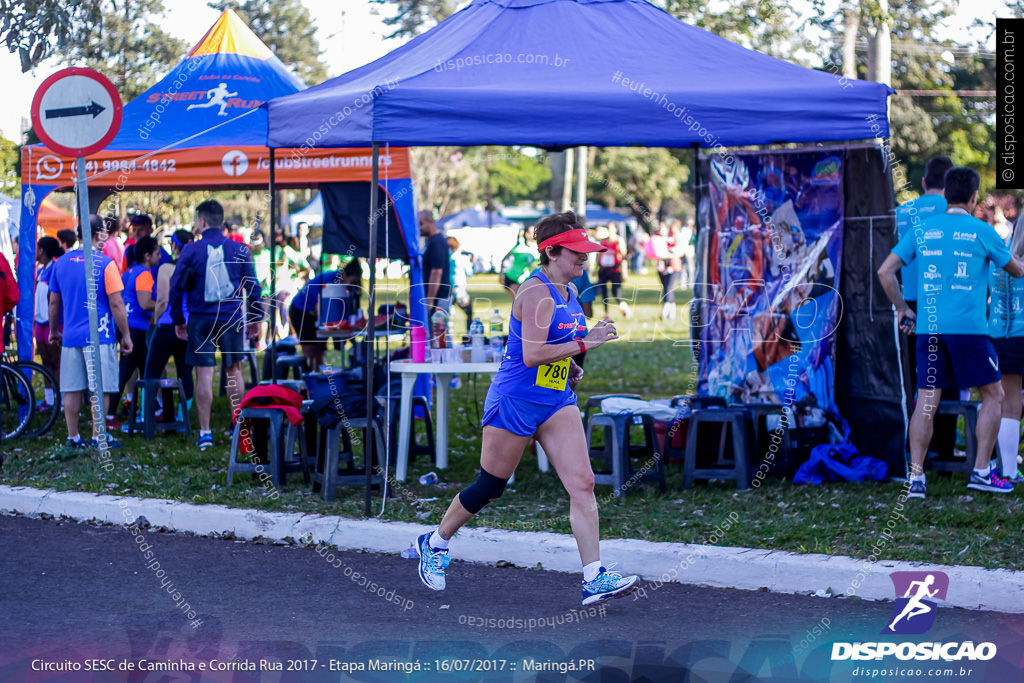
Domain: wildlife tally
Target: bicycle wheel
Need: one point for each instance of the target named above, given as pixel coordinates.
(45, 414)
(17, 402)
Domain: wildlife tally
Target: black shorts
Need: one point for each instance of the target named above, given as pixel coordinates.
(1010, 351)
(962, 361)
(304, 325)
(206, 337)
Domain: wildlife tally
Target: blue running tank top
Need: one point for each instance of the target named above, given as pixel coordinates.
(165, 317)
(138, 317)
(545, 384)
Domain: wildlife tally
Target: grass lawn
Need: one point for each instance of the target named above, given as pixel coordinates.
(953, 526)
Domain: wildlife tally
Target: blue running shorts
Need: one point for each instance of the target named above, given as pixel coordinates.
(955, 361)
(520, 417)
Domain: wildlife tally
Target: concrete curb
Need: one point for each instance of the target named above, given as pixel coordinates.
(719, 567)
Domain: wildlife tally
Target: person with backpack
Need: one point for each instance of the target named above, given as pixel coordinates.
(218, 276)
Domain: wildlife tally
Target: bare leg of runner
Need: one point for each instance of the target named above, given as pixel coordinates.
(234, 383)
(500, 455)
(921, 427)
(988, 422)
(565, 442)
(204, 395)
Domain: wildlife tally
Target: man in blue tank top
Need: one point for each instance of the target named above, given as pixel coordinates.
(533, 395)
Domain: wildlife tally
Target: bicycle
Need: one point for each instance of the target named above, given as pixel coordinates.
(17, 402)
(44, 415)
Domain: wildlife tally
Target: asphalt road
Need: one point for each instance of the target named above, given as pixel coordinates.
(83, 598)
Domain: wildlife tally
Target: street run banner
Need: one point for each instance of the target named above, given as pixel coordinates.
(773, 225)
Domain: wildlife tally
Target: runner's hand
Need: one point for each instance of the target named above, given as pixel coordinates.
(181, 332)
(604, 331)
(575, 374)
(56, 337)
(126, 344)
(908, 321)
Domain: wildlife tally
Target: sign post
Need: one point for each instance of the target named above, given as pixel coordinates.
(77, 112)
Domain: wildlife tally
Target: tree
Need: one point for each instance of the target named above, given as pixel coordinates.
(412, 17)
(638, 178)
(127, 46)
(445, 180)
(10, 179)
(764, 26)
(37, 29)
(287, 27)
(511, 174)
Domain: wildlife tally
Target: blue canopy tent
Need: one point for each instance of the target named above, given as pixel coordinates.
(543, 73)
(598, 215)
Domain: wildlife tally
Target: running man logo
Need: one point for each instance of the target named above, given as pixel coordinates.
(914, 614)
(218, 97)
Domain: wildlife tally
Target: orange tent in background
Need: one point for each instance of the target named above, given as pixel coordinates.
(52, 219)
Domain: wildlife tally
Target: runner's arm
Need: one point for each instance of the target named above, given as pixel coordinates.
(1015, 267)
(163, 290)
(891, 285)
(541, 307)
(117, 309)
(54, 310)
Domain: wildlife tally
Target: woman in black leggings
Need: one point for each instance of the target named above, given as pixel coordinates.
(138, 303)
(165, 342)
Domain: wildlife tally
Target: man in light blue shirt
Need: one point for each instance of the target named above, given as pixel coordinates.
(955, 253)
(910, 214)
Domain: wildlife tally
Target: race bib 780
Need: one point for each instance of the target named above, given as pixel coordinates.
(553, 375)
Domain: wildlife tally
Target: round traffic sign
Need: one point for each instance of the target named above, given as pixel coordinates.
(76, 112)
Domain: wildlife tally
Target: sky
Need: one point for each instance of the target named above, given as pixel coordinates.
(350, 32)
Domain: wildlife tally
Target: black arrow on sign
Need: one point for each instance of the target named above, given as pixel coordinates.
(93, 108)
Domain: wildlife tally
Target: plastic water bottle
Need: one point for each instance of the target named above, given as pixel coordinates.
(497, 331)
(410, 554)
(428, 479)
(476, 342)
(438, 330)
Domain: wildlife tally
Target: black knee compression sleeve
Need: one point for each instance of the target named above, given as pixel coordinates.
(485, 489)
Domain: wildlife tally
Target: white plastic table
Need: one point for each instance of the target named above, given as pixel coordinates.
(444, 372)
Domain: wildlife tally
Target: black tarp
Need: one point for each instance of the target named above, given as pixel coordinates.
(868, 362)
(346, 207)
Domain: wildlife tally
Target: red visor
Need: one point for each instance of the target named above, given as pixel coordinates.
(577, 240)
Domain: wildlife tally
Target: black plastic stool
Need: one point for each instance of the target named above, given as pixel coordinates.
(327, 473)
(781, 460)
(295, 363)
(732, 422)
(618, 453)
(296, 385)
(280, 348)
(282, 437)
(430, 449)
(950, 462)
(594, 403)
(150, 388)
